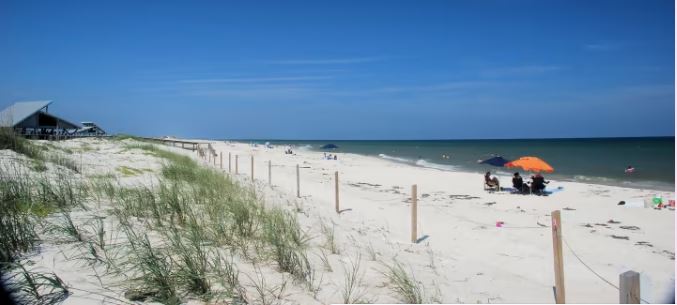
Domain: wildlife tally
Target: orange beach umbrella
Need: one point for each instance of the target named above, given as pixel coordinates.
(533, 164)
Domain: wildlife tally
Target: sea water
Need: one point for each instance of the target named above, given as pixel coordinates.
(588, 160)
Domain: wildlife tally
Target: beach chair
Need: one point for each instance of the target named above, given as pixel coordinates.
(491, 187)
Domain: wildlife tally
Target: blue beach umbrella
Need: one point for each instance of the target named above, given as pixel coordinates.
(495, 161)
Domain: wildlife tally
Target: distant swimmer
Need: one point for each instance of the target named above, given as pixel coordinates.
(629, 169)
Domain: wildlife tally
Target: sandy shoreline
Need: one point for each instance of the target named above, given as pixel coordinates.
(475, 258)
(462, 256)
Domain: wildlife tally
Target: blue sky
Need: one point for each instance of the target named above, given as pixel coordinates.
(347, 70)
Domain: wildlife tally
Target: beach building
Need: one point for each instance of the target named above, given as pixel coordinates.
(32, 120)
(91, 129)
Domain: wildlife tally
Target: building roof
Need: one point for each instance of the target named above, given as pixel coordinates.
(18, 112)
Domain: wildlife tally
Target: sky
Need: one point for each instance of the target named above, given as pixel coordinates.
(346, 69)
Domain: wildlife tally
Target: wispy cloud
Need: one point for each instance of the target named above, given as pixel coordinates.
(528, 70)
(253, 79)
(439, 87)
(601, 46)
(327, 61)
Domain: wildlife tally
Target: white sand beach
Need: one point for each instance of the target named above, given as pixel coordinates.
(462, 256)
(464, 253)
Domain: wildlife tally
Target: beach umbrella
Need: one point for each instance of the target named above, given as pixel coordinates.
(329, 146)
(495, 161)
(533, 164)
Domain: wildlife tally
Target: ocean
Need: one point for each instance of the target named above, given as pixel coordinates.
(589, 160)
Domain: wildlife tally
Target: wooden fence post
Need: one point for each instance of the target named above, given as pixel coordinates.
(298, 182)
(221, 160)
(229, 163)
(336, 180)
(236, 165)
(559, 259)
(252, 168)
(414, 212)
(270, 176)
(629, 287)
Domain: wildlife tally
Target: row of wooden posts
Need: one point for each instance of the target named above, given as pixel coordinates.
(629, 281)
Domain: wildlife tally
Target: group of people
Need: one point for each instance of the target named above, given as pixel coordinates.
(536, 186)
(330, 157)
(288, 151)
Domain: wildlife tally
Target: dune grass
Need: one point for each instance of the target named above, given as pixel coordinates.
(174, 232)
(12, 141)
(404, 284)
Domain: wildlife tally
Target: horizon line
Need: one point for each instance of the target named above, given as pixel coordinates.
(466, 139)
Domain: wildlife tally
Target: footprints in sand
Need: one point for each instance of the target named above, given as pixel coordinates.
(632, 228)
(607, 225)
(462, 197)
(619, 237)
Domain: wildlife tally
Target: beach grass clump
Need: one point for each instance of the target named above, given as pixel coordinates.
(330, 238)
(66, 227)
(404, 284)
(17, 232)
(38, 165)
(103, 186)
(62, 160)
(17, 224)
(129, 171)
(352, 291)
(155, 266)
(192, 257)
(288, 242)
(10, 140)
(24, 200)
(29, 287)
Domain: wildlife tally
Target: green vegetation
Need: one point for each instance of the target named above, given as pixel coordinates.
(9, 140)
(129, 171)
(353, 280)
(179, 235)
(120, 137)
(404, 284)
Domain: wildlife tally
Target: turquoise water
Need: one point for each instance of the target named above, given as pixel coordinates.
(595, 160)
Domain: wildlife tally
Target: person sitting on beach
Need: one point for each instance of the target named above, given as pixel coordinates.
(490, 180)
(538, 183)
(335, 157)
(518, 184)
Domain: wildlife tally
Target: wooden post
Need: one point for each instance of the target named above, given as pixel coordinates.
(414, 212)
(221, 160)
(629, 287)
(215, 159)
(298, 182)
(229, 163)
(559, 259)
(252, 168)
(236, 164)
(270, 175)
(336, 179)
